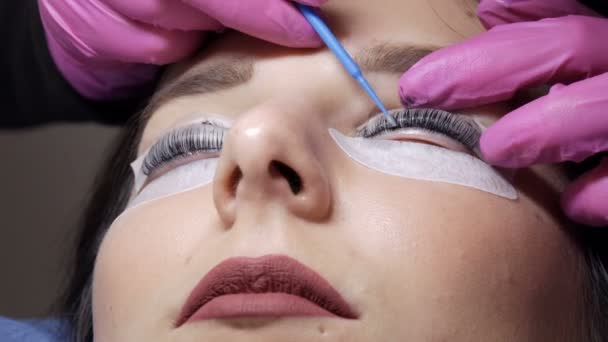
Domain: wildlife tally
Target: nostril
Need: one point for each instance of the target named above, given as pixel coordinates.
(235, 178)
(290, 175)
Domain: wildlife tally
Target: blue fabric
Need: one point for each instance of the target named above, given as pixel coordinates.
(35, 330)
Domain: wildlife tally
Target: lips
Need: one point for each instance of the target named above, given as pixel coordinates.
(271, 285)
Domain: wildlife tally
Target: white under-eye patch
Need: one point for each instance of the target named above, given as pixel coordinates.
(180, 179)
(424, 162)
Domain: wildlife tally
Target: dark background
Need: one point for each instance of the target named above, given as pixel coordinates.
(45, 176)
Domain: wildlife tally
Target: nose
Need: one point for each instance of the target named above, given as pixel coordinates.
(268, 158)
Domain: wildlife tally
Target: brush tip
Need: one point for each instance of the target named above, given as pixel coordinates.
(389, 118)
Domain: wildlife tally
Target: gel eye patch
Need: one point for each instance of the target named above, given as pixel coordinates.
(420, 161)
(185, 177)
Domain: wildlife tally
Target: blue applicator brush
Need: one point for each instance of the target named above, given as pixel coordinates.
(347, 61)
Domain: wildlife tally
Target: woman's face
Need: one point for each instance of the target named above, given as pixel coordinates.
(415, 260)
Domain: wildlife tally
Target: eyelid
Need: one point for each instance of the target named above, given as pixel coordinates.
(370, 117)
(193, 118)
(460, 128)
(374, 116)
(427, 137)
(137, 166)
(216, 120)
(213, 119)
(186, 140)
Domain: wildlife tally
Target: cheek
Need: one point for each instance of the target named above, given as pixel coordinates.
(135, 276)
(444, 256)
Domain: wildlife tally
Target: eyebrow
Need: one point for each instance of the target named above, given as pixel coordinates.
(391, 58)
(382, 57)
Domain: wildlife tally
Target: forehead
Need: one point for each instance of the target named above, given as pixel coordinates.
(359, 24)
(437, 22)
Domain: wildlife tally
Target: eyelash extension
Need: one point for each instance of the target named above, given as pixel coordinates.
(184, 142)
(455, 126)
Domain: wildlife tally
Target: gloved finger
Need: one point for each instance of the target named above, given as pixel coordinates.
(112, 36)
(168, 14)
(586, 200)
(492, 66)
(498, 12)
(277, 21)
(568, 124)
(107, 81)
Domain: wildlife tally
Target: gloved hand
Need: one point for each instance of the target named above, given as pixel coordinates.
(108, 49)
(568, 124)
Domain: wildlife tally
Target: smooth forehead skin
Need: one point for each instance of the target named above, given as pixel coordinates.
(420, 261)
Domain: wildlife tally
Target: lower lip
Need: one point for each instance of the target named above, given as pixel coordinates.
(258, 305)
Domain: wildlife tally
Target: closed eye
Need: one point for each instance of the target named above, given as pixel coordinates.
(426, 125)
(184, 144)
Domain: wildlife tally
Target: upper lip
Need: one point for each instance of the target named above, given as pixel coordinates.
(270, 273)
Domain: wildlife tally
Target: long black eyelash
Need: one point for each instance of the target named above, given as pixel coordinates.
(183, 142)
(455, 126)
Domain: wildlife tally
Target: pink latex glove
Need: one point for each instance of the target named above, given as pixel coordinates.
(568, 124)
(109, 49)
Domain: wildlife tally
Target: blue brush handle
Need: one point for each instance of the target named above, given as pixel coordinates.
(347, 61)
(330, 39)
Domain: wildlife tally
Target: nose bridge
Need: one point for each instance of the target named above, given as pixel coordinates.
(268, 157)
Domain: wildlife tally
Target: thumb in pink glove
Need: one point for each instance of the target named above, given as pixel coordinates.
(570, 123)
(109, 49)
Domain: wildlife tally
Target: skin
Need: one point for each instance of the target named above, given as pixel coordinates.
(420, 261)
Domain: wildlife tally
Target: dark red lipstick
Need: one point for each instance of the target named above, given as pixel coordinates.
(271, 285)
